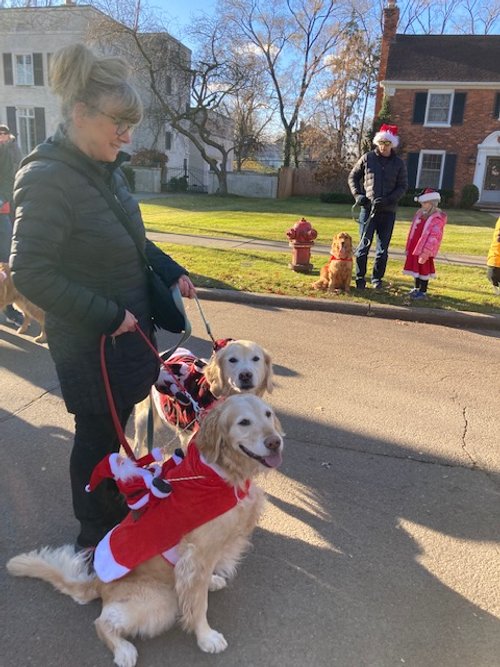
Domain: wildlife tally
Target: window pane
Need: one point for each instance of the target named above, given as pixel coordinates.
(26, 129)
(430, 171)
(24, 70)
(439, 107)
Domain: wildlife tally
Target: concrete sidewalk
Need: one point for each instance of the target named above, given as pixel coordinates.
(468, 320)
(236, 243)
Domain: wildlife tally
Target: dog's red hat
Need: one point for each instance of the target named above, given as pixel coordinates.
(221, 342)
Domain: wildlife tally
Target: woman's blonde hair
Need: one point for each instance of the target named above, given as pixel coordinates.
(78, 75)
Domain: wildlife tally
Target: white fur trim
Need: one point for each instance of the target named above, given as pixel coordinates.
(140, 503)
(157, 455)
(171, 555)
(105, 566)
(428, 196)
(386, 136)
(124, 468)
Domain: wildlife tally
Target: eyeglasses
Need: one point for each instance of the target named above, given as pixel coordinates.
(385, 143)
(6, 134)
(122, 126)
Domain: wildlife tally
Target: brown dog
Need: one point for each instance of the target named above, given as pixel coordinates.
(336, 275)
(9, 295)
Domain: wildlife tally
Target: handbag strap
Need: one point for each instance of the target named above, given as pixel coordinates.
(123, 217)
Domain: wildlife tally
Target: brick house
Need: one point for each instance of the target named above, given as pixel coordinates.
(444, 94)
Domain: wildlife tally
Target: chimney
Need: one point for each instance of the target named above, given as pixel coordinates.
(391, 18)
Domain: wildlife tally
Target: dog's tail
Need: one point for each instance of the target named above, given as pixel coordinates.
(61, 567)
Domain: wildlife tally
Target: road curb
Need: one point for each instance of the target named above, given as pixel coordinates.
(460, 319)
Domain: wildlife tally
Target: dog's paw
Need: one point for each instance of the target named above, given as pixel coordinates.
(125, 655)
(212, 642)
(216, 583)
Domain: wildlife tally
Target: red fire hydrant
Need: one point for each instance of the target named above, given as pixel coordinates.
(301, 238)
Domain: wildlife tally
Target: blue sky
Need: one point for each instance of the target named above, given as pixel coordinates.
(180, 11)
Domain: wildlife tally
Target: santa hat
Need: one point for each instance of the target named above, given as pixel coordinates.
(387, 133)
(428, 194)
(221, 342)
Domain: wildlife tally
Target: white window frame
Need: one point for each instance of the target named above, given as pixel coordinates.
(25, 118)
(434, 123)
(24, 71)
(419, 170)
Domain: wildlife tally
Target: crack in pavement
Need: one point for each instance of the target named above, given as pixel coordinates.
(464, 436)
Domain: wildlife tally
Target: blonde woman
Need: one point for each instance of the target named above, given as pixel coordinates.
(73, 257)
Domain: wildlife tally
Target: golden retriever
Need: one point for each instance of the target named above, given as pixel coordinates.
(240, 437)
(186, 383)
(336, 275)
(10, 295)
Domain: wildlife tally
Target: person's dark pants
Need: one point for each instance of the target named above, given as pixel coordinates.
(381, 224)
(102, 509)
(493, 274)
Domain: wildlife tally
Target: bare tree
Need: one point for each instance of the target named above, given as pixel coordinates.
(292, 38)
(469, 17)
(164, 64)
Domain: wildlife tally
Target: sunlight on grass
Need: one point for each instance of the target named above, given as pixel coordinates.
(456, 288)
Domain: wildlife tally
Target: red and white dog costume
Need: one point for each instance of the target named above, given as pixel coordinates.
(182, 390)
(199, 494)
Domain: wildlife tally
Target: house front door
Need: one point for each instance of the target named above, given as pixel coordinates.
(487, 172)
(491, 185)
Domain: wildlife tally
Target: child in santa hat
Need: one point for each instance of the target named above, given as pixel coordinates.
(424, 239)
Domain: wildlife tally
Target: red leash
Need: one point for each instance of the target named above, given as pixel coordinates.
(109, 394)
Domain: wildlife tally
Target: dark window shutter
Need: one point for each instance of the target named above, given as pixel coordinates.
(412, 166)
(40, 132)
(457, 114)
(450, 162)
(11, 120)
(496, 108)
(419, 108)
(168, 141)
(8, 74)
(38, 69)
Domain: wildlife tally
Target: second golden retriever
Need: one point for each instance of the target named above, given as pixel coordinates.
(239, 438)
(187, 383)
(10, 295)
(336, 275)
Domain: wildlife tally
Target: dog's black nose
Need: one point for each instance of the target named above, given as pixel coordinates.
(272, 442)
(246, 376)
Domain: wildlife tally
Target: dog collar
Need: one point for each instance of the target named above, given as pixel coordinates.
(340, 259)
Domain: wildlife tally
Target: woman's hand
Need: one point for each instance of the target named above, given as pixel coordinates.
(129, 324)
(186, 287)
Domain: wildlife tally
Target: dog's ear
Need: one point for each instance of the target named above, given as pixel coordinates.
(213, 372)
(211, 435)
(267, 383)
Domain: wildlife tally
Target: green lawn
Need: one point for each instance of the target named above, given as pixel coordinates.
(467, 232)
(456, 288)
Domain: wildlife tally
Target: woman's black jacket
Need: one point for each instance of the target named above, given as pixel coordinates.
(73, 257)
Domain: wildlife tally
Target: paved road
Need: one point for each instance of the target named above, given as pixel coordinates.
(379, 546)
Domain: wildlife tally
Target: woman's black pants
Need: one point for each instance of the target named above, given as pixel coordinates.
(102, 509)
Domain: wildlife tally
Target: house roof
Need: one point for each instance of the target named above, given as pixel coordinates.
(471, 58)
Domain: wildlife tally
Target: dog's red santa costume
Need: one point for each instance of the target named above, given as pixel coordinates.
(199, 494)
(182, 390)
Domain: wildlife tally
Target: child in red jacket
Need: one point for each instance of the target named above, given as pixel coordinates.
(424, 239)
